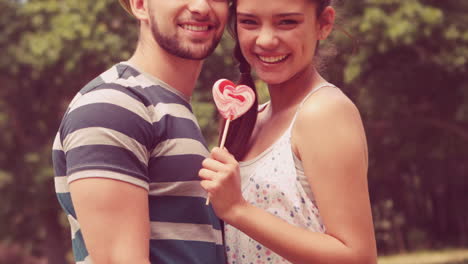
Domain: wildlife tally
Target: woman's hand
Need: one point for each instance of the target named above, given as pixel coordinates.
(221, 179)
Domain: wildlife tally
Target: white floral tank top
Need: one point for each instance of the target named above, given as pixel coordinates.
(275, 182)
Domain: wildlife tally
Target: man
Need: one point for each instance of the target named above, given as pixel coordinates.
(129, 146)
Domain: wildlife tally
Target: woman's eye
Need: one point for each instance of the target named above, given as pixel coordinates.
(247, 21)
(288, 22)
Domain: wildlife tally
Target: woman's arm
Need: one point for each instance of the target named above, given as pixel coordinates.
(331, 143)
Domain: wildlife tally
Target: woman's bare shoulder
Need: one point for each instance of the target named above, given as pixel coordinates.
(327, 105)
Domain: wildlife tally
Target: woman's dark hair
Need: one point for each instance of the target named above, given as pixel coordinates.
(241, 129)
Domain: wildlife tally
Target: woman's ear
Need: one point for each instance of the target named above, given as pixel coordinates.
(140, 9)
(326, 22)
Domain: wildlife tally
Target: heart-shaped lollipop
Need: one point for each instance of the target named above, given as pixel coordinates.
(232, 101)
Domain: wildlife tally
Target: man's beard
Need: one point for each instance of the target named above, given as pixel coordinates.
(176, 48)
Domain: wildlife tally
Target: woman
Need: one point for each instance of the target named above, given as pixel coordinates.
(299, 193)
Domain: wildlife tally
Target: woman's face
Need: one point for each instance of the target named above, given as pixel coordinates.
(278, 38)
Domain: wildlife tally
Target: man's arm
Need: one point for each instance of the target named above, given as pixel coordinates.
(104, 136)
(113, 217)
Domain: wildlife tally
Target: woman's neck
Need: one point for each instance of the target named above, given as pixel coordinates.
(287, 95)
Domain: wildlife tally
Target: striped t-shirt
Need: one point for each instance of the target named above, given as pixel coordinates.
(127, 125)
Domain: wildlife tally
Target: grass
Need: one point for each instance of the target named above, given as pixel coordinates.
(449, 256)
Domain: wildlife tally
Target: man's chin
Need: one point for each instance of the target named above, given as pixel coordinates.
(197, 53)
(185, 48)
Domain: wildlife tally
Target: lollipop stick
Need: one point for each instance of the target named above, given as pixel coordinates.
(226, 127)
(223, 140)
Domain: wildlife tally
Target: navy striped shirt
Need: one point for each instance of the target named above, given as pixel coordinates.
(129, 126)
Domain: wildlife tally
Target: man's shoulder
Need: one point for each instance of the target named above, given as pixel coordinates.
(106, 98)
(119, 85)
(124, 78)
(119, 75)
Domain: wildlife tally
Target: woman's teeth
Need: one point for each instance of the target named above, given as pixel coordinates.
(272, 59)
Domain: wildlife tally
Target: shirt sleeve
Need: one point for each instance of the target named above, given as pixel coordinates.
(106, 133)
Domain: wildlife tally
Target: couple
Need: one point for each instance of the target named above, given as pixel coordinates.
(132, 168)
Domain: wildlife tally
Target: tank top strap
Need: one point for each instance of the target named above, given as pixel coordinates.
(262, 106)
(305, 99)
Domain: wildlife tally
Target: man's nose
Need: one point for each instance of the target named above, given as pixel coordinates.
(199, 7)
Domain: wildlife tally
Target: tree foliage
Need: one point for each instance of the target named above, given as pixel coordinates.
(409, 80)
(49, 50)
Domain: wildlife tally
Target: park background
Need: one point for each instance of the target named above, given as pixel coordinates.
(405, 67)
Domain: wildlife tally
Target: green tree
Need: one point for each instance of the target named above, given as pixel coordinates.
(49, 50)
(409, 80)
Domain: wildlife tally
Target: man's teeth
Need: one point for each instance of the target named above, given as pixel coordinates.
(272, 59)
(195, 28)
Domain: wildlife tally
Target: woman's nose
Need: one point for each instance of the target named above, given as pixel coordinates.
(267, 39)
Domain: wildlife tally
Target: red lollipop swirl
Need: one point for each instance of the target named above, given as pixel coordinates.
(232, 101)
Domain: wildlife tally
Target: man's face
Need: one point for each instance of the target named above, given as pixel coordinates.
(190, 29)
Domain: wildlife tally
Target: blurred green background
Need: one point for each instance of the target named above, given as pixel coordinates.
(405, 67)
